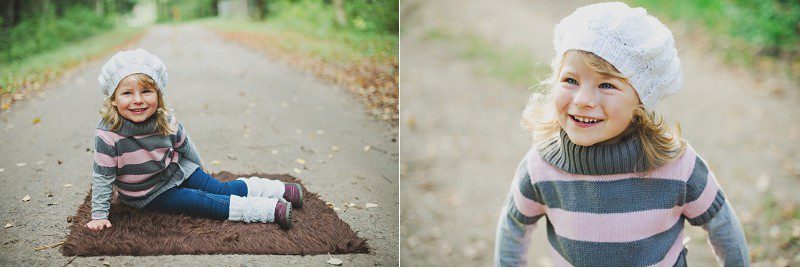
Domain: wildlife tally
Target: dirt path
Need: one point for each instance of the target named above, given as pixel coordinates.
(247, 112)
(462, 140)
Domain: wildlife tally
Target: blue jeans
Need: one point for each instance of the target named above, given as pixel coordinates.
(199, 195)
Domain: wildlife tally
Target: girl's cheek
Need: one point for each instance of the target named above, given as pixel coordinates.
(562, 99)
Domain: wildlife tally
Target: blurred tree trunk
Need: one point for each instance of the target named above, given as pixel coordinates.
(9, 16)
(98, 7)
(260, 9)
(341, 15)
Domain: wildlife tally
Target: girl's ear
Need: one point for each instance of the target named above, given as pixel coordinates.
(114, 103)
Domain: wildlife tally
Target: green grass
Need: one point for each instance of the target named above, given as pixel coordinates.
(330, 45)
(747, 31)
(48, 64)
(309, 27)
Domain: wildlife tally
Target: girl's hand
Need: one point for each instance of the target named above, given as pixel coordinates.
(97, 225)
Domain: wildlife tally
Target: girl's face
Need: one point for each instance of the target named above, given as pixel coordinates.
(592, 107)
(134, 102)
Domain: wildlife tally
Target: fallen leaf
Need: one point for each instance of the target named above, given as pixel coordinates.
(334, 261)
(106, 264)
(2, 169)
(49, 246)
(335, 148)
(320, 132)
(215, 162)
(330, 156)
(370, 205)
(37, 121)
(330, 205)
(68, 185)
(21, 164)
(301, 161)
(232, 157)
(8, 225)
(274, 151)
(6, 106)
(26, 198)
(366, 148)
(337, 209)
(351, 205)
(298, 171)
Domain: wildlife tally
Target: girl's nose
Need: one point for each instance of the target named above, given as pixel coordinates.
(585, 97)
(137, 98)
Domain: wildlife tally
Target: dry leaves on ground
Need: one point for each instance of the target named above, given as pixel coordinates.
(374, 81)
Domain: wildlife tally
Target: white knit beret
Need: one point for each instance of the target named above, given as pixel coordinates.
(129, 62)
(636, 43)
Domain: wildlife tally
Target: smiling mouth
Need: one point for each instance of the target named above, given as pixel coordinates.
(138, 111)
(585, 121)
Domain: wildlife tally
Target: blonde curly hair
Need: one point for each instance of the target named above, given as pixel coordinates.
(110, 115)
(660, 143)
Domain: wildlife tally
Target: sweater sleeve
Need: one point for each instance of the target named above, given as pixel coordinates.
(104, 173)
(704, 196)
(184, 145)
(727, 238)
(523, 208)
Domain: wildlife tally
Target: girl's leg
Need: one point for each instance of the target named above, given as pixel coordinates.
(182, 200)
(253, 186)
(200, 180)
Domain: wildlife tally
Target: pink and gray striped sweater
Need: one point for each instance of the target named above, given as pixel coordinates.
(600, 211)
(139, 163)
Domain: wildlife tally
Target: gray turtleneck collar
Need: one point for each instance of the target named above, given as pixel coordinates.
(622, 157)
(130, 128)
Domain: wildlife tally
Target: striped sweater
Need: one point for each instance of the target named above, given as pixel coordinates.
(138, 163)
(599, 211)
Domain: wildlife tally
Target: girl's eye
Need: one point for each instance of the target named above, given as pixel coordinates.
(126, 93)
(607, 85)
(147, 91)
(571, 81)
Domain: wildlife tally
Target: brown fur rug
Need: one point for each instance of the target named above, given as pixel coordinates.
(316, 229)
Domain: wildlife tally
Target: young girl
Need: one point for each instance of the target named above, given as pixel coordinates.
(614, 183)
(146, 154)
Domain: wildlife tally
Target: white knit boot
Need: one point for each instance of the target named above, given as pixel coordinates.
(252, 209)
(263, 187)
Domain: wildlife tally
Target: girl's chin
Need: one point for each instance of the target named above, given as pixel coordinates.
(582, 139)
(137, 118)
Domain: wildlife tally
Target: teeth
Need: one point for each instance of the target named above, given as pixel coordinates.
(585, 120)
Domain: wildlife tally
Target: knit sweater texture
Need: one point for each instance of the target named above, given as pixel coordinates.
(139, 163)
(601, 211)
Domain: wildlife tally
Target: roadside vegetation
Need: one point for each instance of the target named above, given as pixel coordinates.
(40, 40)
(354, 44)
(761, 35)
